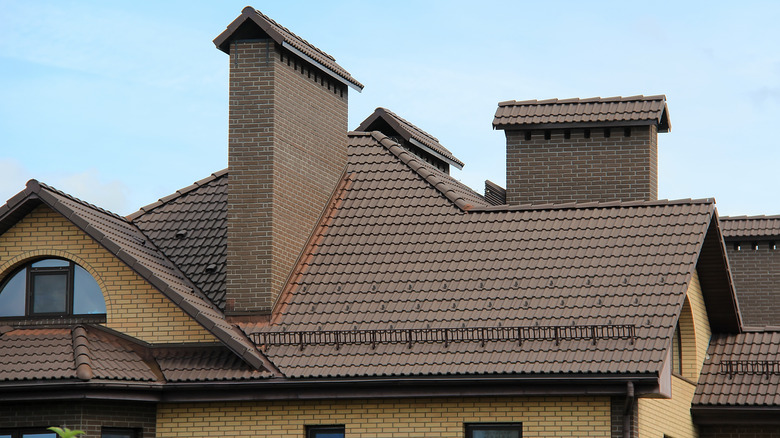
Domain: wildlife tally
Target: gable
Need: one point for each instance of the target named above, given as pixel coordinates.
(133, 306)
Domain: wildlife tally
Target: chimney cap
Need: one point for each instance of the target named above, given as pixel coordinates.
(583, 113)
(253, 24)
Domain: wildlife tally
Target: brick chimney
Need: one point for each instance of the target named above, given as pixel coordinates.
(287, 152)
(582, 150)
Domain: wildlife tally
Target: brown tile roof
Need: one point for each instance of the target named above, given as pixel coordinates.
(205, 364)
(70, 354)
(735, 227)
(93, 354)
(593, 112)
(129, 244)
(741, 370)
(408, 132)
(287, 39)
(397, 255)
(190, 228)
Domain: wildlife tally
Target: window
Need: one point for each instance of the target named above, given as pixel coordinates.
(50, 287)
(677, 351)
(27, 433)
(113, 432)
(494, 430)
(325, 432)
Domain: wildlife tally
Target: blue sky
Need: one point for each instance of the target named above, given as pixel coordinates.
(121, 103)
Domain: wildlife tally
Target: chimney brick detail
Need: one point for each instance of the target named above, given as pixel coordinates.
(582, 165)
(286, 154)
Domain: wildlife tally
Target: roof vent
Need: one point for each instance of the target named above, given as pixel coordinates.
(211, 268)
(181, 234)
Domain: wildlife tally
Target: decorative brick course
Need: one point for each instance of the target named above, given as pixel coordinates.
(287, 152)
(582, 165)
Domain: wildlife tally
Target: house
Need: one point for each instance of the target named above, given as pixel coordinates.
(333, 283)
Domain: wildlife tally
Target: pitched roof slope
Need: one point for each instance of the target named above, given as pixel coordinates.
(287, 39)
(57, 353)
(395, 256)
(750, 226)
(741, 370)
(410, 133)
(597, 111)
(129, 244)
(190, 227)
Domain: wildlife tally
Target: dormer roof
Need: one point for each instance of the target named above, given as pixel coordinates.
(392, 125)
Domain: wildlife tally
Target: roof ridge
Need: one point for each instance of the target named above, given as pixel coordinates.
(81, 353)
(582, 100)
(746, 217)
(409, 123)
(177, 194)
(75, 199)
(273, 22)
(425, 172)
(594, 205)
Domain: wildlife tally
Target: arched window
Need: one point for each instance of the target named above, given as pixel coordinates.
(50, 287)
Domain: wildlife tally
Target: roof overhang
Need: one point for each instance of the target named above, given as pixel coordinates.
(605, 385)
(736, 415)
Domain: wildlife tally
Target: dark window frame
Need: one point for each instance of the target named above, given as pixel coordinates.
(20, 432)
(127, 431)
(29, 290)
(472, 427)
(312, 431)
(35, 273)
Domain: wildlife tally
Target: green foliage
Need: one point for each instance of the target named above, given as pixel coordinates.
(66, 433)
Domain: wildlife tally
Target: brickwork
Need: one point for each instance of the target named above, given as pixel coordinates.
(617, 410)
(89, 416)
(756, 275)
(672, 417)
(133, 306)
(431, 418)
(586, 166)
(751, 431)
(287, 152)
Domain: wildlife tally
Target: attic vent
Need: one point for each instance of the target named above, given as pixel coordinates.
(211, 268)
(181, 234)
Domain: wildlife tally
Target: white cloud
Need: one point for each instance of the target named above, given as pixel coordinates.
(93, 188)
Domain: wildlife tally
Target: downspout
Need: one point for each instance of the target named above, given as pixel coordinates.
(628, 410)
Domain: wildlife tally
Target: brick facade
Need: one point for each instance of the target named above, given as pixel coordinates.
(133, 306)
(380, 418)
(287, 152)
(89, 416)
(579, 165)
(756, 276)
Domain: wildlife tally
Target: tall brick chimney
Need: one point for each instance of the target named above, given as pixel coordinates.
(582, 150)
(286, 153)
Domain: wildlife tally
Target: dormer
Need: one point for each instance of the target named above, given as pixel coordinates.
(412, 138)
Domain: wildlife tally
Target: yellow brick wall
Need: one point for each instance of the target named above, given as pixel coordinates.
(672, 417)
(431, 418)
(133, 306)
